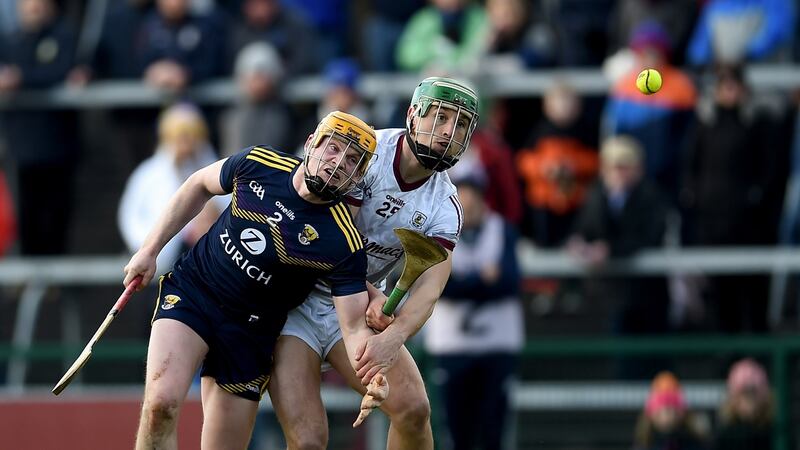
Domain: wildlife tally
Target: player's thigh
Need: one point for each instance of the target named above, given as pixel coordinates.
(174, 354)
(227, 419)
(294, 388)
(406, 388)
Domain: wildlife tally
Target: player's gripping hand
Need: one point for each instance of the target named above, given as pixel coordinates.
(376, 319)
(141, 263)
(377, 392)
(377, 354)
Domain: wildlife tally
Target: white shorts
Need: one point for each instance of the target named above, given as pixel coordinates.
(315, 322)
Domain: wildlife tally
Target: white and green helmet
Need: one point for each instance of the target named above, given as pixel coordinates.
(455, 109)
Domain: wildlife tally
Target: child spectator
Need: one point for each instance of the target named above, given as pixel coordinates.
(745, 417)
(666, 422)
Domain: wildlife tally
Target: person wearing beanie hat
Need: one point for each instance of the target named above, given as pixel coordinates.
(659, 122)
(665, 381)
(746, 415)
(260, 114)
(665, 392)
(666, 423)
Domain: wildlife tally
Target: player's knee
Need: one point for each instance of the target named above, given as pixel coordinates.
(308, 441)
(413, 413)
(159, 412)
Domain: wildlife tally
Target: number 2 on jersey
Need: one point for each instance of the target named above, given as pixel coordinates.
(273, 221)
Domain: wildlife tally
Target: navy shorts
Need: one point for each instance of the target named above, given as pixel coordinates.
(240, 344)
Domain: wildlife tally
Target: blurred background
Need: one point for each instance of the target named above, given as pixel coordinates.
(629, 263)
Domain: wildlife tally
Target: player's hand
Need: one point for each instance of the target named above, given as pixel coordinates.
(377, 392)
(376, 319)
(377, 354)
(141, 264)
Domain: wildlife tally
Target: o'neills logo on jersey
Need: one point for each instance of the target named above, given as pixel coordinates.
(240, 261)
(381, 252)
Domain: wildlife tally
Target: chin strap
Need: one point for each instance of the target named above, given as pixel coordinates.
(318, 188)
(423, 154)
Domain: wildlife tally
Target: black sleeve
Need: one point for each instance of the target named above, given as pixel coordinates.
(230, 168)
(349, 276)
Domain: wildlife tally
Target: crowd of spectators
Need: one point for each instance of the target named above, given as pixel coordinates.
(711, 147)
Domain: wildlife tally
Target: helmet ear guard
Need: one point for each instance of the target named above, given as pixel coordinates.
(441, 93)
(349, 129)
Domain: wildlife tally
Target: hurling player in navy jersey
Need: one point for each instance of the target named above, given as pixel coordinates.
(224, 303)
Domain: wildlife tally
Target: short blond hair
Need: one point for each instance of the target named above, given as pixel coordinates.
(621, 150)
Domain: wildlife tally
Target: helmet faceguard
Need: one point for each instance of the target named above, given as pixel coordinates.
(446, 114)
(337, 155)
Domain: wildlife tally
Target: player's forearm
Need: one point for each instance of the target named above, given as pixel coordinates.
(422, 298)
(350, 313)
(415, 312)
(185, 204)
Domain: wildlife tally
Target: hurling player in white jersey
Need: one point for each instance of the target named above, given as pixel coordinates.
(405, 187)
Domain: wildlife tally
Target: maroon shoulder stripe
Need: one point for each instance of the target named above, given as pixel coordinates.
(445, 243)
(459, 212)
(353, 201)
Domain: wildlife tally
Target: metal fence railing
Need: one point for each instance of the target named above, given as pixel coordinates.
(35, 275)
(132, 93)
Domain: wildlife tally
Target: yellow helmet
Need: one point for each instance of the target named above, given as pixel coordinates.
(350, 129)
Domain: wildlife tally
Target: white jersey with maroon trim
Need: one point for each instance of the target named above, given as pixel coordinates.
(387, 202)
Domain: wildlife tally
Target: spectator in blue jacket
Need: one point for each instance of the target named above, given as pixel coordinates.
(742, 30)
(660, 122)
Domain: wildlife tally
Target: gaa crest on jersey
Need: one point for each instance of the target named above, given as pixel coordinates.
(169, 302)
(307, 235)
(418, 219)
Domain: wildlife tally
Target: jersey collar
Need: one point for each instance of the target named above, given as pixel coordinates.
(405, 187)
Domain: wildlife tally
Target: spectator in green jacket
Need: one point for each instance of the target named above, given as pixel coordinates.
(449, 35)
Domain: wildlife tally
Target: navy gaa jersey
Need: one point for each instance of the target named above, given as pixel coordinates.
(269, 247)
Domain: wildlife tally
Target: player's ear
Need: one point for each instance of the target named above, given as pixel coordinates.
(410, 125)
